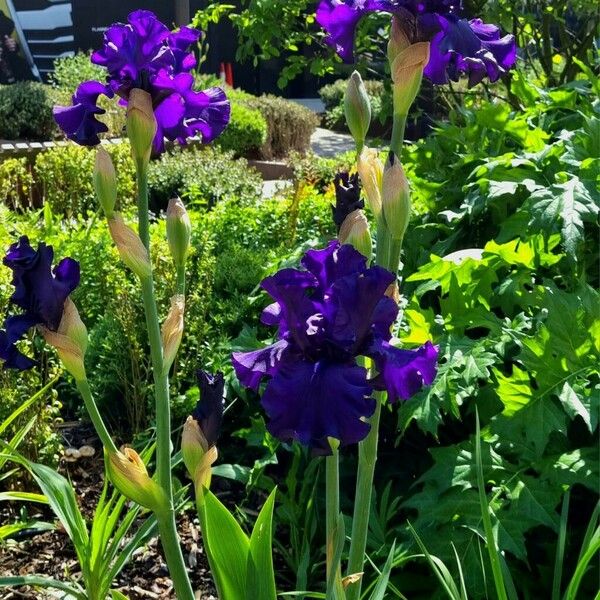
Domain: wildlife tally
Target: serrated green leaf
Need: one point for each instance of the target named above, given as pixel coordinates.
(585, 406)
(569, 204)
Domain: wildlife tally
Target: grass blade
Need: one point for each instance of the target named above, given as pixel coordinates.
(487, 522)
(560, 546)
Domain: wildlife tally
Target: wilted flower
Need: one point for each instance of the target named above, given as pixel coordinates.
(458, 45)
(40, 291)
(144, 54)
(328, 315)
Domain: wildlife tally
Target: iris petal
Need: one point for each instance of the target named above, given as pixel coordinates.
(310, 402)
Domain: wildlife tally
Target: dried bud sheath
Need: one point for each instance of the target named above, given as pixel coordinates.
(395, 198)
(130, 247)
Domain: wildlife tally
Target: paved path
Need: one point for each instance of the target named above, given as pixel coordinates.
(329, 143)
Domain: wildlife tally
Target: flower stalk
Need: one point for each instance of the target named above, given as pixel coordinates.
(166, 519)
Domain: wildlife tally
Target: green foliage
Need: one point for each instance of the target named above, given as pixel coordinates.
(290, 125)
(242, 566)
(70, 71)
(26, 112)
(64, 177)
(103, 548)
(246, 132)
(202, 177)
(16, 183)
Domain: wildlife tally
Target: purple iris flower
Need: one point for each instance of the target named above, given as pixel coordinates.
(40, 291)
(327, 315)
(458, 46)
(143, 53)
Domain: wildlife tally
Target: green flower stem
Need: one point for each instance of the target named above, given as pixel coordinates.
(170, 543)
(367, 457)
(86, 393)
(398, 129)
(332, 511)
(167, 527)
(180, 282)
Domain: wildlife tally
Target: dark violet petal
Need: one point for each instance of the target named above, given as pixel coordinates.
(356, 298)
(347, 197)
(251, 367)
(17, 325)
(333, 262)
(12, 358)
(310, 402)
(180, 42)
(271, 315)
(403, 372)
(39, 291)
(209, 410)
(79, 121)
(209, 113)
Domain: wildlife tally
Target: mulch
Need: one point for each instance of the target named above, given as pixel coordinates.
(52, 554)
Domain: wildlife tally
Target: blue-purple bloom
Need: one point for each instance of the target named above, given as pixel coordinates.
(328, 314)
(458, 46)
(144, 54)
(40, 291)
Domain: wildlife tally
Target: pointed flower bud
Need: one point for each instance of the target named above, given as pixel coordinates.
(172, 330)
(131, 249)
(105, 182)
(398, 41)
(357, 108)
(347, 197)
(141, 124)
(70, 340)
(129, 475)
(179, 231)
(370, 169)
(355, 231)
(407, 74)
(200, 432)
(395, 198)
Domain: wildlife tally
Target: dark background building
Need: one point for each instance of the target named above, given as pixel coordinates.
(48, 29)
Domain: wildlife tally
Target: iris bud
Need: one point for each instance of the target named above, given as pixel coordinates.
(355, 231)
(197, 456)
(172, 330)
(357, 108)
(179, 231)
(370, 170)
(129, 475)
(70, 340)
(398, 40)
(407, 74)
(395, 198)
(105, 182)
(141, 125)
(133, 253)
(200, 431)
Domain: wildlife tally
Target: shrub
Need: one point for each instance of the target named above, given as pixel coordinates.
(16, 183)
(246, 132)
(64, 176)
(290, 125)
(202, 176)
(320, 171)
(25, 112)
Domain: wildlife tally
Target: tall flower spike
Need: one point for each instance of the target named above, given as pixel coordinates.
(41, 292)
(458, 46)
(143, 54)
(328, 314)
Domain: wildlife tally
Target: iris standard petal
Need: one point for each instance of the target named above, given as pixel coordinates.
(310, 402)
(209, 410)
